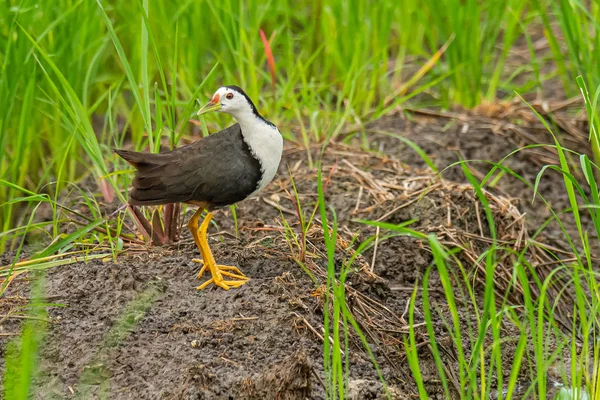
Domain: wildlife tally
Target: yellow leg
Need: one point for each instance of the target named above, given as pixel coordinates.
(217, 271)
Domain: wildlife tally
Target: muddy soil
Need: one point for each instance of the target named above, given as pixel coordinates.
(137, 328)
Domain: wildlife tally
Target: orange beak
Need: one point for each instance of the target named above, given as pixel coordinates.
(213, 105)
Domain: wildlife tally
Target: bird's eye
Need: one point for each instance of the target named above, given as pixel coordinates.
(229, 96)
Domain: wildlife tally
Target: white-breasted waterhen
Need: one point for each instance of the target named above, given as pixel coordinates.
(216, 171)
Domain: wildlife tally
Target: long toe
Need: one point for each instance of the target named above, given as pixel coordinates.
(220, 271)
(235, 270)
(232, 275)
(208, 282)
(201, 272)
(223, 283)
(234, 284)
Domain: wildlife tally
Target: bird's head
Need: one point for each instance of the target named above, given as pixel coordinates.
(230, 99)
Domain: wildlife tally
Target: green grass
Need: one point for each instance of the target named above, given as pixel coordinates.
(79, 78)
(22, 370)
(22, 352)
(543, 341)
(82, 77)
(336, 355)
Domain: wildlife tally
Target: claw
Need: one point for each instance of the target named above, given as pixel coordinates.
(222, 283)
(218, 272)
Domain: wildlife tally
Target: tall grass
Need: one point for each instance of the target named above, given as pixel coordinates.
(578, 33)
(21, 366)
(336, 362)
(542, 341)
(80, 77)
(473, 322)
(478, 28)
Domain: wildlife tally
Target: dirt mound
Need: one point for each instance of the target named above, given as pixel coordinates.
(138, 328)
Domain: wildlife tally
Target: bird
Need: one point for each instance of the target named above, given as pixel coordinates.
(216, 171)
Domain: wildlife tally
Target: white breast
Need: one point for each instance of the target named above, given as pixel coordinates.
(266, 144)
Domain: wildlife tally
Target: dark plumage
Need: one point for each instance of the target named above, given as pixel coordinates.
(216, 171)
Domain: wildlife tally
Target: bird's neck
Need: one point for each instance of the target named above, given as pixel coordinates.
(264, 142)
(250, 122)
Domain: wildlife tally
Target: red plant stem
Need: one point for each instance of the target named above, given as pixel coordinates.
(158, 233)
(168, 219)
(330, 175)
(107, 190)
(141, 222)
(174, 227)
(270, 59)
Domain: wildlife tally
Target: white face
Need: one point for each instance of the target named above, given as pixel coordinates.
(231, 101)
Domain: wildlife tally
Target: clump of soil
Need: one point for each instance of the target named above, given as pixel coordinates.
(137, 328)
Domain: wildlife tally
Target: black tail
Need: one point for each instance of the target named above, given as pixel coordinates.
(142, 160)
(149, 184)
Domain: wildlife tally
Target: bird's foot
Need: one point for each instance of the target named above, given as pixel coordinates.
(218, 272)
(236, 271)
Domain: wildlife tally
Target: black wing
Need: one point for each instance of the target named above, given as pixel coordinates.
(218, 170)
